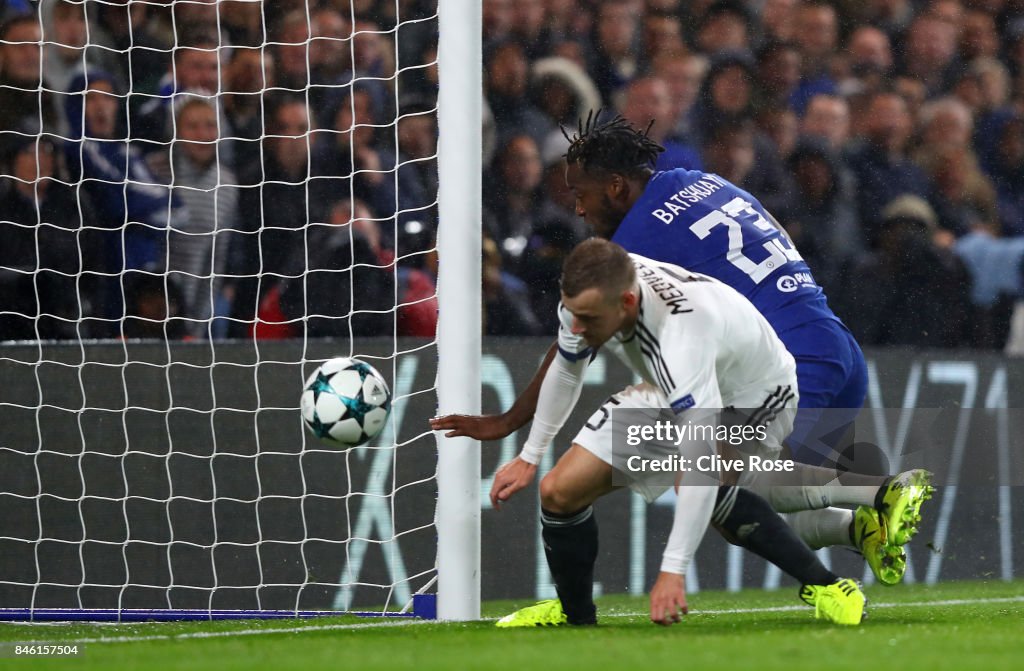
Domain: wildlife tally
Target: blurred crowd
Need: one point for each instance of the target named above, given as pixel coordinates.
(241, 169)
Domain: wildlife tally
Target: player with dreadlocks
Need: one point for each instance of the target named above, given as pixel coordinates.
(705, 224)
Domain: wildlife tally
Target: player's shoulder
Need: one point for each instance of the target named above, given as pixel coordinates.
(647, 267)
(672, 290)
(676, 178)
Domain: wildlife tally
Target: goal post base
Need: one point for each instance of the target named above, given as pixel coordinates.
(424, 608)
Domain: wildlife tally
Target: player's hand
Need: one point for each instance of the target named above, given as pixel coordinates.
(480, 427)
(509, 479)
(668, 599)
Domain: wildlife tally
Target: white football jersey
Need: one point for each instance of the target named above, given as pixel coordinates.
(697, 340)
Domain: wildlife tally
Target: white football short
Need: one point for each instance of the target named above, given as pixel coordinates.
(601, 435)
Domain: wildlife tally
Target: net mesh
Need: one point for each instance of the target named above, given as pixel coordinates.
(200, 202)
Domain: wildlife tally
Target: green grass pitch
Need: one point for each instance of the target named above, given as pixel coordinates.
(966, 625)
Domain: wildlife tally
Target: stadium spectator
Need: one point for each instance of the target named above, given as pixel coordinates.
(945, 122)
(882, 166)
(869, 49)
(615, 59)
(963, 197)
(340, 289)
(153, 307)
(566, 20)
(529, 29)
(996, 267)
(25, 98)
(778, 73)
(823, 221)
(778, 20)
(552, 241)
(930, 54)
(513, 197)
(198, 248)
(724, 26)
(506, 298)
(417, 177)
(354, 161)
(985, 88)
(196, 70)
(727, 91)
(291, 51)
(662, 36)
(497, 19)
(684, 76)
(734, 149)
(330, 53)
(131, 33)
(827, 117)
(1007, 172)
(962, 194)
(918, 293)
(67, 48)
(647, 102)
(197, 17)
(779, 124)
(979, 37)
(817, 36)
(249, 72)
(131, 202)
(278, 203)
(890, 16)
(372, 52)
(45, 230)
(243, 22)
(506, 84)
(559, 206)
(562, 90)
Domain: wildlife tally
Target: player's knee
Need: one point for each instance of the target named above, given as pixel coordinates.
(729, 538)
(553, 497)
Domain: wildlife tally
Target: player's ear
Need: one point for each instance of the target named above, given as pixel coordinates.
(618, 187)
(629, 299)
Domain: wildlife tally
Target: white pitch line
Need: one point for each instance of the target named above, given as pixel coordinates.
(411, 622)
(248, 632)
(871, 604)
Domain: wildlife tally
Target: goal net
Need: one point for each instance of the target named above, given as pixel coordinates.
(202, 201)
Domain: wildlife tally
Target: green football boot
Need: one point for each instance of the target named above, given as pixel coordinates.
(842, 602)
(887, 561)
(544, 614)
(900, 506)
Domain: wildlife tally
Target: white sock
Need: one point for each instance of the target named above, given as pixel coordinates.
(792, 492)
(822, 528)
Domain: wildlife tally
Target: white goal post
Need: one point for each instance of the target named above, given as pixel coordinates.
(460, 118)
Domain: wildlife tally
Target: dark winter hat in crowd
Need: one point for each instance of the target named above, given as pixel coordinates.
(21, 139)
(911, 208)
(811, 146)
(733, 7)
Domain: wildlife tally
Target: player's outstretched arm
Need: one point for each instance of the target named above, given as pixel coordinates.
(496, 427)
(559, 391)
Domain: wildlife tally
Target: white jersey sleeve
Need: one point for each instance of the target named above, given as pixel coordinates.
(571, 346)
(694, 505)
(559, 390)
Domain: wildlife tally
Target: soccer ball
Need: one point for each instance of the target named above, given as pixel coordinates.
(345, 401)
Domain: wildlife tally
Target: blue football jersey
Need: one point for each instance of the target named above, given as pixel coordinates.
(703, 223)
